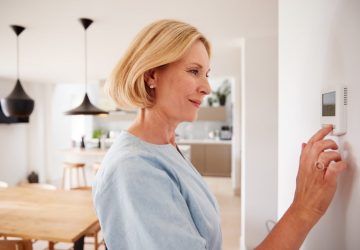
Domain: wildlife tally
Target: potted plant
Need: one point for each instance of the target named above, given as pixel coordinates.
(211, 99)
(97, 133)
(223, 91)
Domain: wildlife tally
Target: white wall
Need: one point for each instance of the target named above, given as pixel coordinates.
(259, 122)
(13, 148)
(36, 144)
(319, 46)
(23, 146)
(13, 144)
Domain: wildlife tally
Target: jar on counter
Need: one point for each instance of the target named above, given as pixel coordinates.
(225, 133)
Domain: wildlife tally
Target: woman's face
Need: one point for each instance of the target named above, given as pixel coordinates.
(181, 86)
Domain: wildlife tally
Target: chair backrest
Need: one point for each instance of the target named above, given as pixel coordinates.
(3, 184)
(74, 164)
(15, 245)
(84, 188)
(39, 186)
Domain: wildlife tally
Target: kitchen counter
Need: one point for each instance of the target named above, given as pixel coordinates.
(101, 152)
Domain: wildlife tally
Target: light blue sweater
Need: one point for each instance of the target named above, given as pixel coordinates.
(148, 197)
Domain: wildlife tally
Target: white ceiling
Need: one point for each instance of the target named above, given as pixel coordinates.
(51, 48)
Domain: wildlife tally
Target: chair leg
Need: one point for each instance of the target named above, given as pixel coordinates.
(70, 178)
(84, 175)
(51, 245)
(96, 244)
(63, 179)
(78, 177)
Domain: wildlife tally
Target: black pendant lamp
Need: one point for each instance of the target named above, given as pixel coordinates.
(18, 103)
(86, 107)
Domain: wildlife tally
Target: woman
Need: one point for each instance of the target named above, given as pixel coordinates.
(147, 195)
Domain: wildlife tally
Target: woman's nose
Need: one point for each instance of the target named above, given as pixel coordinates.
(205, 87)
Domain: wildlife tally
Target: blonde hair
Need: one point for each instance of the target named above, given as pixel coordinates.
(158, 44)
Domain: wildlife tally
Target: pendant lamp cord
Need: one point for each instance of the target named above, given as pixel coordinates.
(85, 43)
(17, 57)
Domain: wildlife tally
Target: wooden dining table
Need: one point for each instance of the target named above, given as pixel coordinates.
(50, 215)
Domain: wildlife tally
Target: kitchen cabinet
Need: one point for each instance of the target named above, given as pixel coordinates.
(212, 159)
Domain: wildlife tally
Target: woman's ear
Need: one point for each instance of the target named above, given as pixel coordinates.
(150, 78)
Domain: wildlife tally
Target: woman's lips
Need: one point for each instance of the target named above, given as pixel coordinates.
(196, 103)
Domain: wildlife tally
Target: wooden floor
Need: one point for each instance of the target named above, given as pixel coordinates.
(230, 216)
(229, 209)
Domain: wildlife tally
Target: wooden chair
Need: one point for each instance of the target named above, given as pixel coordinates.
(3, 184)
(69, 167)
(92, 232)
(15, 245)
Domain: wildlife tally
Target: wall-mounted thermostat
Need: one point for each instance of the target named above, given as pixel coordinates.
(334, 108)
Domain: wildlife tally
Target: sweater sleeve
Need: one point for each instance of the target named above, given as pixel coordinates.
(140, 206)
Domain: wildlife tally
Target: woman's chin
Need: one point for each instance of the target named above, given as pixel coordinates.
(191, 118)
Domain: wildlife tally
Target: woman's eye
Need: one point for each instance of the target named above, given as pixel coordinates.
(194, 71)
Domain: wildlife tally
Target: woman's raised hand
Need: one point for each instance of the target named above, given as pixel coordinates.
(320, 165)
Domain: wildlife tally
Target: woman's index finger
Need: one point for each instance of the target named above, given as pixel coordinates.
(320, 134)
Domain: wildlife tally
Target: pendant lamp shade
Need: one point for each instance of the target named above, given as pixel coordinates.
(18, 103)
(86, 107)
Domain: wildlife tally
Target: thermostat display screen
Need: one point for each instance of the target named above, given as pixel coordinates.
(328, 104)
